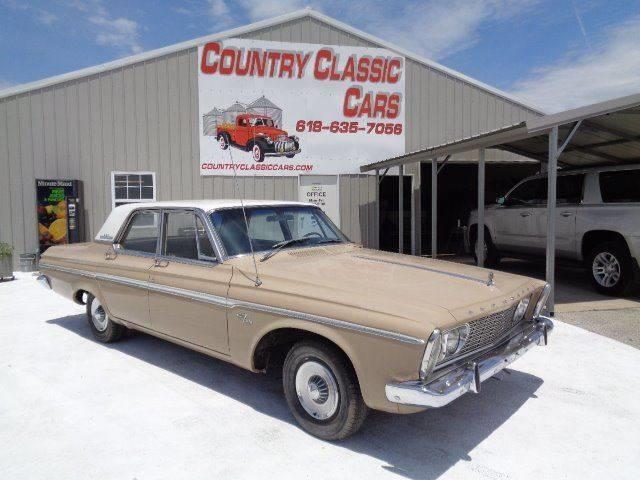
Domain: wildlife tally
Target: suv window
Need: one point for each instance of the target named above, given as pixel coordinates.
(534, 192)
(142, 232)
(620, 186)
(569, 188)
(531, 192)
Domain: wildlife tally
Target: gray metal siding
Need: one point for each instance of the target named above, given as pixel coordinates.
(145, 117)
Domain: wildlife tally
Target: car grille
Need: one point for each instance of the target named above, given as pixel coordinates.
(486, 330)
(284, 146)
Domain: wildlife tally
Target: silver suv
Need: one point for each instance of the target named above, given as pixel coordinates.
(598, 223)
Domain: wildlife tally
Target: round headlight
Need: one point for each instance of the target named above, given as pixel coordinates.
(451, 341)
(454, 340)
(521, 309)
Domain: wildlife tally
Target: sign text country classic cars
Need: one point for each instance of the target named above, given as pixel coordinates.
(279, 108)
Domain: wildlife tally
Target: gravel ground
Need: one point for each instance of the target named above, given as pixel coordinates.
(147, 409)
(622, 325)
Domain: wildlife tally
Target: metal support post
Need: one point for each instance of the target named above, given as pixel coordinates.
(400, 208)
(434, 207)
(551, 215)
(480, 231)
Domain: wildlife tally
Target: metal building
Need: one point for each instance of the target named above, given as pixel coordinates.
(140, 114)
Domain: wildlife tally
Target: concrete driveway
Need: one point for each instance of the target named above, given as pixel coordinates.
(147, 409)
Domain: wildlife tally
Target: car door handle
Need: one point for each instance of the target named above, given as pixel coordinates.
(160, 263)
(525, 214)
(566, 214)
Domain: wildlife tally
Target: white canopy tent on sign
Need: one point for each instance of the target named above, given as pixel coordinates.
(605, 133)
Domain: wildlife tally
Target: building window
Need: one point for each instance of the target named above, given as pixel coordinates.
(132, 187)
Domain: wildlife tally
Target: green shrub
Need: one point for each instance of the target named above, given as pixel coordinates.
(5, 249)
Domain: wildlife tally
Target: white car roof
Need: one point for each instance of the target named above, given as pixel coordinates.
(119, 214)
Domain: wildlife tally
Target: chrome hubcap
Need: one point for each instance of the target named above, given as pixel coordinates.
(98, 316)
(222, 142)
(606, 269)
(256, 152)
(317, 390)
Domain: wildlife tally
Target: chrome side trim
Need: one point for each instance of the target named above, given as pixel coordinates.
(327, 321)
(190, 294)
(231, 303)
(420, 267)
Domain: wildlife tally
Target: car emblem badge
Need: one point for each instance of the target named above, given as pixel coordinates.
(245, 319)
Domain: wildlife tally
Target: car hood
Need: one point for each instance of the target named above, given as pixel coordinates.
(271, 132)
(435, 292)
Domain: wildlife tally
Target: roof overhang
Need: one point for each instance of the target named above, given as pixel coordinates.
(608, 134)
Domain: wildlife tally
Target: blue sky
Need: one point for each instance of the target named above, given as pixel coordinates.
(552, 53)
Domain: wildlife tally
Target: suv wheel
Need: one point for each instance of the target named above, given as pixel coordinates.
(322, 391)
(257, 153)
(491, 255)
(223, 141)
(102, 327)
(611, 268)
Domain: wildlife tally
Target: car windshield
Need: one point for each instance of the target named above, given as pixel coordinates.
(270, 226)
(256, 122)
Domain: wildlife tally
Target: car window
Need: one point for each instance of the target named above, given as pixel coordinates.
(180, 237)
(271, 225)
(531, 192)
(142, 232)
(205, 249)
(621, 186)
(242, 122)
(569, 188)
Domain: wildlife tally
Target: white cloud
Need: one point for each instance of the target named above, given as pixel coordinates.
(609, 70)
(119, 32)
(433, 28)
(263, 9)
(122, 33)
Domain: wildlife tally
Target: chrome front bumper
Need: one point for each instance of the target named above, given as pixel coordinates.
(469, 377)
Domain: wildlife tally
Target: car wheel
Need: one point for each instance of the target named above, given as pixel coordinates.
(491, 255)
(257, 153)
(322, 391)
(611, 268)
(223, 141)
(102, 327)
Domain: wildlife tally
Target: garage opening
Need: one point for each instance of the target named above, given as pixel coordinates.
(458, 196)
(389, 205)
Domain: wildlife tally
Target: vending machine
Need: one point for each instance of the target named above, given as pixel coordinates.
(58, 211)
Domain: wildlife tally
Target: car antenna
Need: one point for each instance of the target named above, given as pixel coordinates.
(257, 281)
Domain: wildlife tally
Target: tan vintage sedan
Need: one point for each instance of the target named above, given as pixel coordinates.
(277, 285)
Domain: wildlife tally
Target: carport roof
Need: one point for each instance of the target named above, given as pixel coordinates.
(608, 134)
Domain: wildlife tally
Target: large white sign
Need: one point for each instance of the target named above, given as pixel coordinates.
(321, 190)
(276, 108)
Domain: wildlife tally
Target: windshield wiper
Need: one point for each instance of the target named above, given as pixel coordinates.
(275, 248)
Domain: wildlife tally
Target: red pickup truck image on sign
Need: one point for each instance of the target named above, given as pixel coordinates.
(259, 135)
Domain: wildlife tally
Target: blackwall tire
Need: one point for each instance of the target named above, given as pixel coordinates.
(492, 256)
(322, 391)
(102, 327)
(610, 268)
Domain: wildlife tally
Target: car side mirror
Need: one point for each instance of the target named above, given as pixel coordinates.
(500, 200)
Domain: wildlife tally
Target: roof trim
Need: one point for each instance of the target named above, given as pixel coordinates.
(485, 140)
(243, 30)
(588, 111)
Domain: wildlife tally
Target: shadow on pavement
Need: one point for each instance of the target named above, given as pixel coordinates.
(418, 446)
